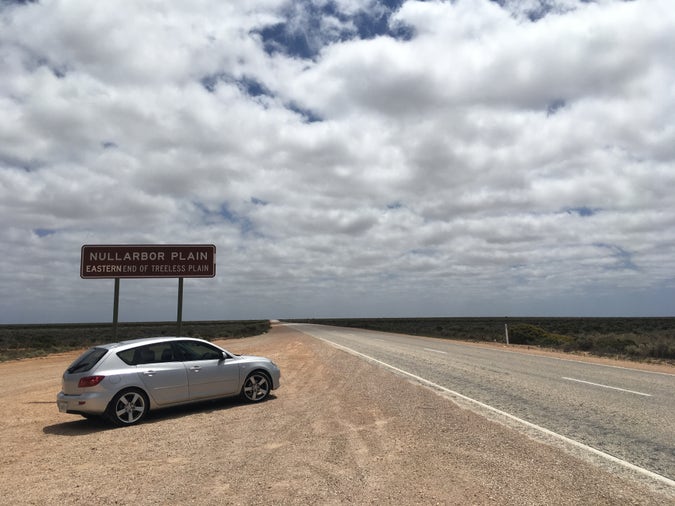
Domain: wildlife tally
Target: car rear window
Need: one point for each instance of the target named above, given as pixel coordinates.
(87, 360)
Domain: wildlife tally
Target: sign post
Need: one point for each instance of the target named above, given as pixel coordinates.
(116, 307)
(179, 312)
(148, 261)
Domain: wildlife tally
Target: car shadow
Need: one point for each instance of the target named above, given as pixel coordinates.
(86, 426)
(78, 427)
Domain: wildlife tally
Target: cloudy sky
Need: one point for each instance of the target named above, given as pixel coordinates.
(347, 157)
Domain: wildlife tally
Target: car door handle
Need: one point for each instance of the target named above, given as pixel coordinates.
(149, 373)
(195, 368)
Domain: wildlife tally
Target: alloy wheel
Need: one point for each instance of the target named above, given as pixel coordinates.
(256, 387)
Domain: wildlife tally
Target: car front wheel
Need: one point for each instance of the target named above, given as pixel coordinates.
(256, 387)
(127, 408)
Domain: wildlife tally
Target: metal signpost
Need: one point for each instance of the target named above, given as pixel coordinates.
(148, 261)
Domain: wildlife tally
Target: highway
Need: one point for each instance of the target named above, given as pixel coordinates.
(626, 413)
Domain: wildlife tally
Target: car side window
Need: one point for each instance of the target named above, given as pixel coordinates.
(193, 350)
(148, 354)
(164, 352)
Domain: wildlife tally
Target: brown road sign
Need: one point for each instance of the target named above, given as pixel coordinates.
(148, 261)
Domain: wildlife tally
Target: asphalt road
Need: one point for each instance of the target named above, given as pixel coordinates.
(626, 413)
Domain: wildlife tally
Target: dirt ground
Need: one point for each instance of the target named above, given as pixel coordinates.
(338, 431)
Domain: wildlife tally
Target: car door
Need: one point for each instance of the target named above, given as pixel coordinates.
(209, 375)
(163, 375)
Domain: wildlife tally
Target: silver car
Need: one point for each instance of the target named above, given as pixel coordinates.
(123, 381)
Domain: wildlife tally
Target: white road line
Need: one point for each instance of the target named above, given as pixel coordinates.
(436, 351)
(590, 449)
(606, 386)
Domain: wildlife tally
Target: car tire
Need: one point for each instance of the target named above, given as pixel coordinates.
(128, 407)
(257, 387)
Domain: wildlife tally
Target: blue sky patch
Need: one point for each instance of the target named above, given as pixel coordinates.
(582, 211)
(247, 85)
(225, 213)
(209, 83)
(252, 87)
(539, 9)
(624, 259)
(308, 116)
(44, 232)
(303, 33)
(10, 3)
(555, 106)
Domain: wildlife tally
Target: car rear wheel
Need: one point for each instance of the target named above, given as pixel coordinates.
(128, 407)
(256, 387)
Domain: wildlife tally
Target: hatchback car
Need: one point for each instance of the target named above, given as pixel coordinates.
(123, 381)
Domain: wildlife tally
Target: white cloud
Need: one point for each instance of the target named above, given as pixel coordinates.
(485, 154)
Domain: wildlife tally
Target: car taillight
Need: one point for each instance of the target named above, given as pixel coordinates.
(90, 381)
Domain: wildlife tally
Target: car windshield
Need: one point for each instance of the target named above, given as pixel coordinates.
(87, 360)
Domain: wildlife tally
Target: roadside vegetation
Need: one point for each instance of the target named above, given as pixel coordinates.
(24, 341)
(644, 339)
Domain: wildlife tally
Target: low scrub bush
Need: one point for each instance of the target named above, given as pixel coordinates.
(24, 341)
(610, 345)
(524, 333)
(635, 338)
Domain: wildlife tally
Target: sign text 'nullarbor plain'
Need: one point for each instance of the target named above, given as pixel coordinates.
(148, 261)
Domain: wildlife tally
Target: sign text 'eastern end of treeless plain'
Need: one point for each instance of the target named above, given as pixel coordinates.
(148, 261)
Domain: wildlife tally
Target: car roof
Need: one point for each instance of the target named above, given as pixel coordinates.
(131, 343)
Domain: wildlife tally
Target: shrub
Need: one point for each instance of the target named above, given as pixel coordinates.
(610, 345)
(638, 338)
(21, 341)
(661, 349)
(524, 333)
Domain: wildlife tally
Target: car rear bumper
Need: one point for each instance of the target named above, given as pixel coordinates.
(90, 402)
